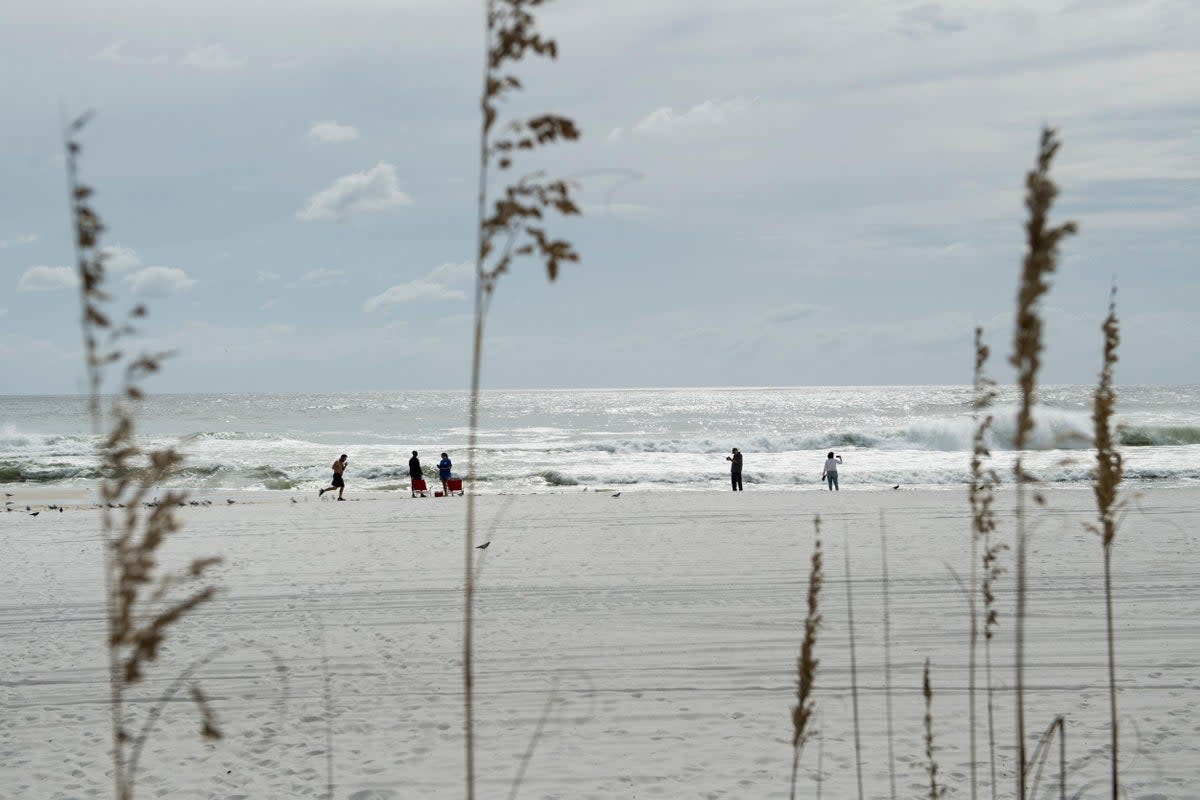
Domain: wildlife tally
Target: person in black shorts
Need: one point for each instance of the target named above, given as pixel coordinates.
(735, 469)
(339, 483)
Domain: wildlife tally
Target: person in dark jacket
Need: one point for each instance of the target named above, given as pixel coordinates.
(414, 467)
(735, 469)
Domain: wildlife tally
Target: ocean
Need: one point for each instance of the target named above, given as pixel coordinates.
(570, 440)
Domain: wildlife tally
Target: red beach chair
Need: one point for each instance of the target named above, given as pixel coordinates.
(454, 486)
(419, 487)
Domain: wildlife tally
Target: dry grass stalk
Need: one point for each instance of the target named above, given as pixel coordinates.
(1042, 752)
(509, 227)
(931, 765)
(981, 493)
(1105, 485)
(141, 599)
(806, 665)
(1041, 259)
(887, 656)
(853, 662)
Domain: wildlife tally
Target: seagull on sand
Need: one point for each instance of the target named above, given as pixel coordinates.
(294, 500)
(483, 546)
(616, 494)
(897, 486)
(230, 502)
(34, 514)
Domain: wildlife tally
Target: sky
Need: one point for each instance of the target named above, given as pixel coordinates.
(775, 192)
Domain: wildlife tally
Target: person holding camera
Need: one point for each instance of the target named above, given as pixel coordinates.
(735, 469)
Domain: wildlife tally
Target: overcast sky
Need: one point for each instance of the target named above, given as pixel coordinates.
(776, 192)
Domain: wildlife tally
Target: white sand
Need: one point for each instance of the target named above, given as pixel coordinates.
(671, 622)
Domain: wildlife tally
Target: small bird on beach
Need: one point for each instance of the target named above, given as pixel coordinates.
(27, 508)
(294, 500)
(483, 546)
(34, 514)
(230, 502)
(616, 494)
(897, 486)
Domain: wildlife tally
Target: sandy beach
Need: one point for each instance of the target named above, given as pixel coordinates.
(661, 627)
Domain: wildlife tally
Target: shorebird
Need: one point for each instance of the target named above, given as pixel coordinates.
(294, 500)
(230, 502)
(616, 494)
(897, 486)
(34, 514)
(483, 546)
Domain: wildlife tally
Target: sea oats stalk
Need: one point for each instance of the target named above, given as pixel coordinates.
(509, 227)
(931, 765)
(1106, 483)
(887, 657)
(806, 665)
(853, 662)
(980, 491)
(1041, 259)
(141, 600)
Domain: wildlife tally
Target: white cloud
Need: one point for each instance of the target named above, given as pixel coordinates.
(332, 132)
(434, 286)
(212, 57)
(160, 282)
(615, 135)
(119, 258)
(377, 189)
(791, 313)
(46, 279)
(265, 276)
(115, 54)
(666, 121)
(318, 279)
(20, 239)
(929, 19)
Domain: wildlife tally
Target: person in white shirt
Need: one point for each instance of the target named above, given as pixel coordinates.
(830, 471)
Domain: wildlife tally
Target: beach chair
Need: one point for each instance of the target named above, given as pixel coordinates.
(419, 487)
(454, 486)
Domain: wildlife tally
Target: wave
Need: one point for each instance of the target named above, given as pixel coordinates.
(1154, 436)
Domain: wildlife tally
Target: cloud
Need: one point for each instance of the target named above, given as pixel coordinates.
(47, 279)
(616, 135)
(212, 58)
(119, 258)
(332, 132)
(377, 189)
(264, 276)
(791, 313)
(160, 282)
(434, 286)
(3, 311)
(318, 279)
(666, 121)
(115, 54)
(20, 239)
(929, 19)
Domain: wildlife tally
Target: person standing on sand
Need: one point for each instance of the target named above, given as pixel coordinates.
(414, 467)
(444, 473)
(339, 483)
(830, 471)
(735, 469)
